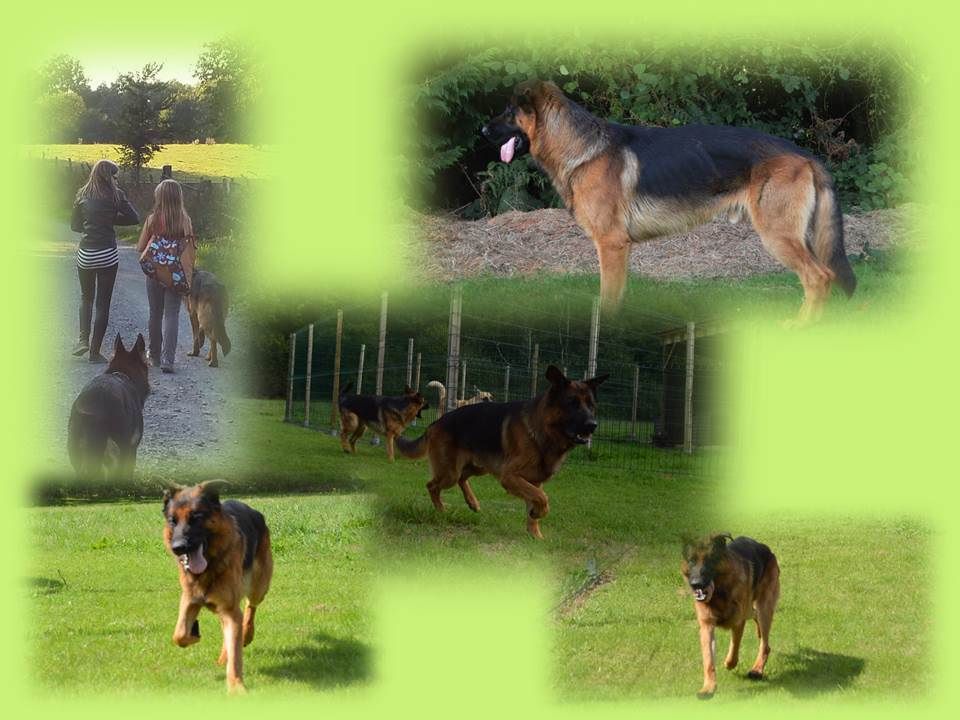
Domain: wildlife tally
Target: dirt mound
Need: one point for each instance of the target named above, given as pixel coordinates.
(521, 243)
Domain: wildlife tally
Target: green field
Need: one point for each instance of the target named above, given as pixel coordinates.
(853, 619)
(190, 162)
(104, 595)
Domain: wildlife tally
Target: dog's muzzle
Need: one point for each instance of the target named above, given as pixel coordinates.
(701, 591)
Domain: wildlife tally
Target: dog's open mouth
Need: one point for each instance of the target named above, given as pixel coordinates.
(194, 562)
(581, 438)
(702, 594)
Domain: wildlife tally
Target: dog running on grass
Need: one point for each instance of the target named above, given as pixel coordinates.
(385, 415)
(223, 551)
(207, 304)
(106, 420)
(625, 184)
(731, 582)
(523, 444)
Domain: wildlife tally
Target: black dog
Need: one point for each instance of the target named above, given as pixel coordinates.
(109, 410)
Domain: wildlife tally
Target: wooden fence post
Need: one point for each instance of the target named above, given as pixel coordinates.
(463, 380)
(453, 348)
(288, 415)
(416, 375)
(409, 362)
(306, 394)
(634, 430)
(688, 392)
(506, 384)
(335, 395)
(363, 349)
(382, 349)
(594, 339)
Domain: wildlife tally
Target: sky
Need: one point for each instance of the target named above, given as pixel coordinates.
(178, 63)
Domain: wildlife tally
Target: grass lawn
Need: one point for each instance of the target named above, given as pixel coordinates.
(623, 625)
(104, 595)
(190, 162)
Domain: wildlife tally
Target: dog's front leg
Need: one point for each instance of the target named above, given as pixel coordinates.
(707, 645)
(183, 634)
(537, 503)
(232, 620)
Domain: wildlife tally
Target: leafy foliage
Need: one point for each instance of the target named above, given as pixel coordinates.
(842, 100)
(139, 128)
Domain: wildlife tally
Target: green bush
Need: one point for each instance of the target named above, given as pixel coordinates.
(842, 104)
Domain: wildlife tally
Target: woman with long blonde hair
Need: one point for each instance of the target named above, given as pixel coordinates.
(100, 204)
(168, 219)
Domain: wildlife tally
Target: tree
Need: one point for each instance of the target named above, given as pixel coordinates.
(61, 74)
(184, 119)
(229, 88)
(60, 114)
(144, 100)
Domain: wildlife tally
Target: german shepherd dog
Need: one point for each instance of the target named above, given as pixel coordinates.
(521, 443)
(207, 304)
(223, 551)
(387, 416)
(106, 420)
(477, 397)
(731, 582)
(626, 184)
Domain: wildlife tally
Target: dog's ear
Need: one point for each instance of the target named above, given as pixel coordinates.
(687, 544)
(595, 382)
(211, 489)
(169, 493)
(118, 345)
(556, 377)
(719, 541)
(140, 346)
(525, 95)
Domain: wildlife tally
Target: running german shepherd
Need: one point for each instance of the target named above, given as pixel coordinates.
(387, 416)
(627, 184)
(731, 582)
(522, 443)
(207, 304)
(106, 420)
(223, 550)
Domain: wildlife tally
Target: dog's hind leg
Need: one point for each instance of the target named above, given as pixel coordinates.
(260, 577)
(781, 202)
(467, 491)
(357, 434)
(765, 606)
(733, 652)
(212, 358)
(197, 332)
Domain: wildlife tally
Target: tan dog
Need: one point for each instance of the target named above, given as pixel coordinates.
(731, 582)
(223, 550)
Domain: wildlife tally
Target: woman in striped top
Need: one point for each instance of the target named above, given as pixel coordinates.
(100, 205)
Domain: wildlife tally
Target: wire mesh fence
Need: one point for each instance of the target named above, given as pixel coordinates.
(659, 410)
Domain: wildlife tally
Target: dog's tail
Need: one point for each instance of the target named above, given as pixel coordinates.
(222, 336)
(413, 449)
(86, 443)
(827, 237)
(441, 395)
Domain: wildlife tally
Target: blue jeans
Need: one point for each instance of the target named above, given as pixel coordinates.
(164, 321)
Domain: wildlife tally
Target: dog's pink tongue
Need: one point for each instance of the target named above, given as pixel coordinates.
(507, 149)
(196, 561)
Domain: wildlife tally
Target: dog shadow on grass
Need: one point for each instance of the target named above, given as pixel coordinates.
(808, 672)
(324, 662)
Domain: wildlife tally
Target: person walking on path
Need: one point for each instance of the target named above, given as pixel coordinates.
(100, 204)
(168, 220)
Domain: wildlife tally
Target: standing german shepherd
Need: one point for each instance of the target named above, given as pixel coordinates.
(731, 582)
(627, 184)
(522, 443)
(207, 304)
(223, 550)
(388, 416)
(106, 420)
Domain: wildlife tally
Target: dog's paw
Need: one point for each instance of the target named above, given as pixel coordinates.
(731, 664)
(755, 675)
(705, 694)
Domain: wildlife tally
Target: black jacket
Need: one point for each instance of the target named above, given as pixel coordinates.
(95, 218)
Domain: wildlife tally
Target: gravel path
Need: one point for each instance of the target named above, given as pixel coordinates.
(183, 415)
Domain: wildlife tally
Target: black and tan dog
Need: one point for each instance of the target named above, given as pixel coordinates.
(731, 582)
(625, 184)
(223, 550)
(385, 415)
(106, 420)
(207, 304)
(522, 443)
